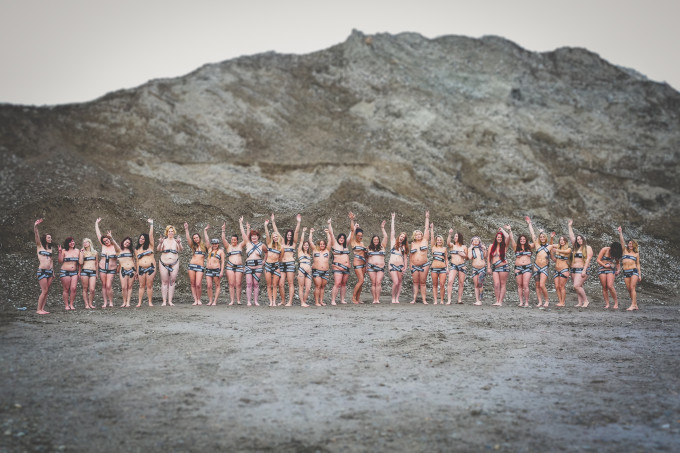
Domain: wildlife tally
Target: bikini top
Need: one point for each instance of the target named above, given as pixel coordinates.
(71, 258)
(396, 252)
(44, 253)
(629, 257)
(340, 252)
(235, 252)
(89, 258)
(543, 248)
(438, 256)
(607, 258)
(148, 252)
(474, 254)
(255, 248)
(305, 259)
(170, 251)
(318, 254)
(527, 253)
(290, 249)
(216, 255)
(379, 252)
(277, 252)
(359, 248)
(199, 252)
(108, 257)
(125, 255)
(422, 247)
(561, 257)
(455, 252)
(578, 255)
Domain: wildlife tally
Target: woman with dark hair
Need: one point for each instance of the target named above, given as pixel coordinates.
(108, 263)
(340, 263)
(458, 254)
(272, 263)
(477, 253)
(45, 266)
(609, 260)
(523, 272)
(541, 263)
(497, 264)
(359, 262)
(197, 264)
(168, 264)
(287, 264)
(419, 263)
(234, 263)
(439, 269)
(632, 273)
(582, 253)
(562, 256)
(398, 260)
(214, 270)
(304, 269)
(68, 274)
(320, 266)
(376, 263)
(255, 250)
(88, 271)
(126, 270)
(146, 269)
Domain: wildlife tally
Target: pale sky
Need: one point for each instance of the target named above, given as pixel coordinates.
(64, 51)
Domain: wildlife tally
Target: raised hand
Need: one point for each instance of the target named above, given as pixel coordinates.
(382, 225)
(351, 215)
(206, 227)
(39, 221)
(298, 218)
(150, 221)
(450, 230)
(99, 219)
(570, 222)
(552, 234)
(393, 214)
(304, 229)
(527, 219)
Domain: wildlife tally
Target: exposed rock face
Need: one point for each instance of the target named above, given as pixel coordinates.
(478, 131)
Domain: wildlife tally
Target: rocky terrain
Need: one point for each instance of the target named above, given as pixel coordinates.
(479, 131)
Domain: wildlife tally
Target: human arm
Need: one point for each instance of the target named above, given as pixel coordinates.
(572, 236)
(116, 247)
(302, 241)
(331, 240)
(60, 256)
(427, 223)
(448, 238)
(186, 232)
(298, 219)
(600, 255)
(97, 231)
(623, 242)
(206, 238)
(311, 240)
(243, 232)
(531, 230)
(276, 230)
(37, 234)
(384, 239)
(222, 257)
(266, 231)
(393, 240)
(506, 235)
(151, 244)
(432, 244)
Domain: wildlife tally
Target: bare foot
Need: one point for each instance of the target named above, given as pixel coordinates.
(136, 306)
(304, 305)
(42, 312)
(343, 302)
(376, 301)
(479, 302)
(194, 303)
(616, 307)
(238, 303)
(231, 303)
(559, 305)
(318, 305)
(199, 302)
(256, 303)
(249, 304)
(631, 308)
(585, 305)
(289, 304)
(150, 304)
(498, 304)
(333, 303)
(606, 306)
(460, 302)
(425, 302)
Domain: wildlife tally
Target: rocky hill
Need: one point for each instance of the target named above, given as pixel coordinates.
(478, 131)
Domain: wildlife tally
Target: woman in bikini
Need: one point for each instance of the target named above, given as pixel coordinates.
(458, 254)
(359, 262)
(320, 266)
(419, 264)
(376, 263)
(497, 264)
(632, 274)
(582, 253)
(541, 263)
(477, 253)
(398, 260)
(108, 264)
(561, 254)
(439, 269)
(272, 262)
(88, 272)
(609, 260)
(68, 274)
(523, 272)
(146, 269)
(304, 269)
(126, 270)
(214, 270)
(255, 250)
(234, 263)
(45, 266)
(340, 263)
(197, 264)
(287, 264)
(168, 263)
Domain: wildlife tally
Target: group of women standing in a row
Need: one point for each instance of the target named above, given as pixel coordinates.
(333, 256)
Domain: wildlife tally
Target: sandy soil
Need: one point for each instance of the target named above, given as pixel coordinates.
(349, 378)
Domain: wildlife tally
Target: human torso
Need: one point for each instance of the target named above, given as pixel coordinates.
(438, 257)
(126, 260)
(169, 255)
(418, 252)
(457, 254)
(45, 258)
(70, 260)
(320, 258)
(108, 258)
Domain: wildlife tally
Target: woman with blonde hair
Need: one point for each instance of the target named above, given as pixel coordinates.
(419, 263)
(632, 273)
(68, 274)
(359, 262)
(214, 270)
(255, 250)
(581, 255)
(168, 263)
(439, 269)
(398, 260)
(146, 269)
(561, 254)
(108, 263)
(477, 254)
(541, 262)
(197, 264)
(304, 269)
(88, 271)
(458, 254)
(45, 266)
(272, 261)
(234, 263)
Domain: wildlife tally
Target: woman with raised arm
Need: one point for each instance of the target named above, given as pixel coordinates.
(523, 272)
(439, 270)
(561, 254)
(108, 264)
(287, 264)
(304, 269)
(320, 266)
(272, 262)
(88, 271)
(609, 260)
(45, 266)
(477, 253)
(497, 264)
(197, 264)
(126, 270)
(419, 263)
(541, 263)
(359, 262)
(68, 274)
(234, 263)
(632, 273)
(255, 250)
(340, 263)
(146, 269)
(398, 260)
(582, 253)
(376, 263)
(458, 254)
(168, 263)
(214, 270)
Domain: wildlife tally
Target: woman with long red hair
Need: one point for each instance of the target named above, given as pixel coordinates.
(497, 265)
